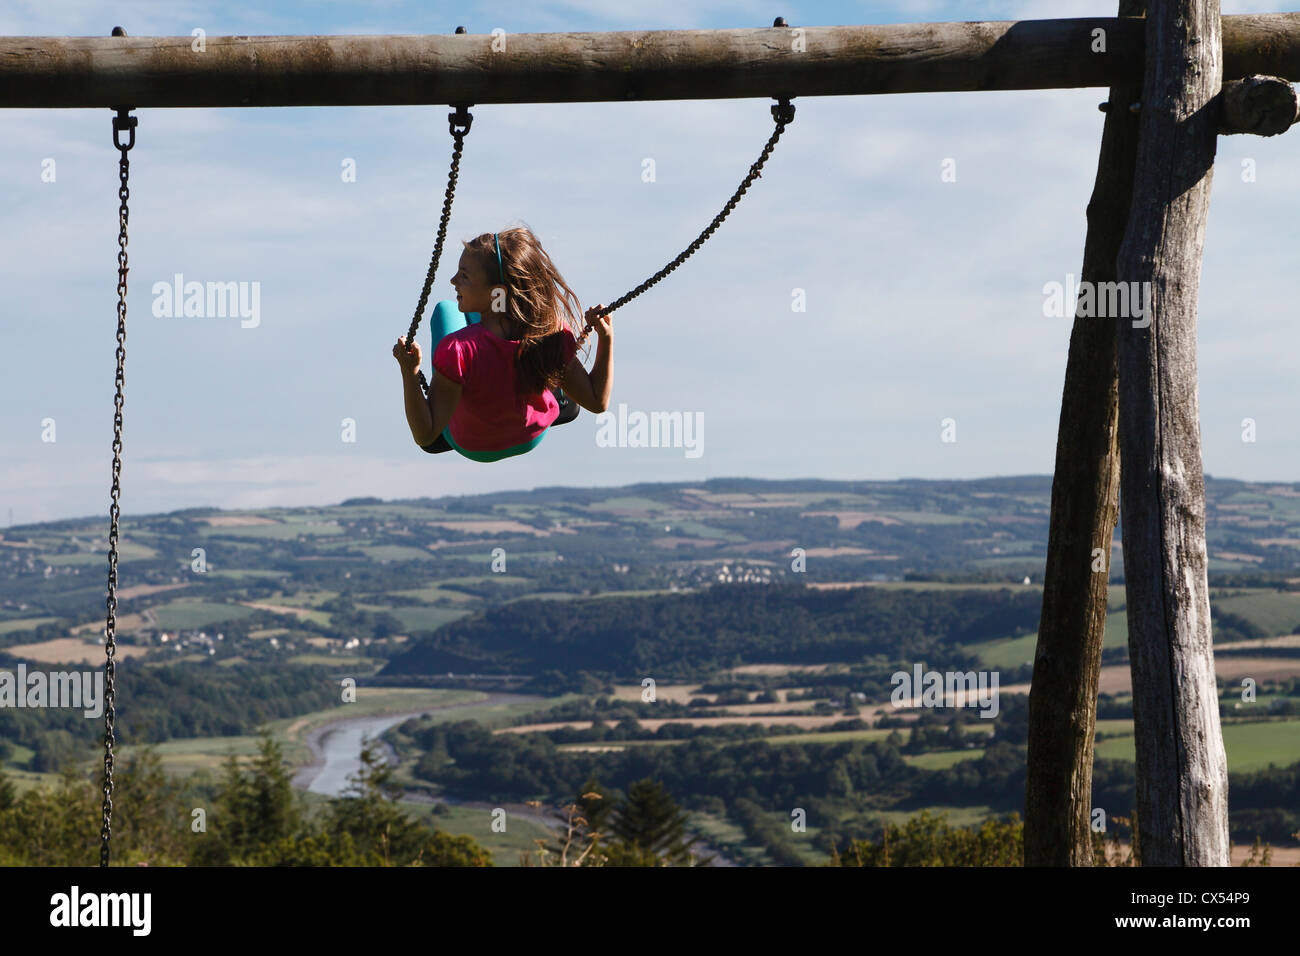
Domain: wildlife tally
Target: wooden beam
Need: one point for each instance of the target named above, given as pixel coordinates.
(1262, 105)
(1085, 505)
(146, 72)
(1182, 775)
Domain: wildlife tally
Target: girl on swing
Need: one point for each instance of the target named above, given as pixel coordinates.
(500, 352)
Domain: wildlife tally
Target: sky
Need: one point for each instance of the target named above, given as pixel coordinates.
(923, 299)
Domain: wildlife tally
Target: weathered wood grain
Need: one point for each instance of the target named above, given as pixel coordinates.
(1085, 505)
(1182, 776)
(1261, 105)
(476, 68)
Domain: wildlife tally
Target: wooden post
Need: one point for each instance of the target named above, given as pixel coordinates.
(237, 71)
(1182, 775)
(1085, 504)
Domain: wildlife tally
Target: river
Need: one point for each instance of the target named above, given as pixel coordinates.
(336, 751)
(336, 746)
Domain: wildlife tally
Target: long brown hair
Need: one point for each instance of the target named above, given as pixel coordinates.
(539, 305)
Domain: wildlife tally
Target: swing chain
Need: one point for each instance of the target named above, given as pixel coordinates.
(783, 114)
(458, 123)
(122, 122)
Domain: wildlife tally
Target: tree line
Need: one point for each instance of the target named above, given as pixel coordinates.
(681, 636)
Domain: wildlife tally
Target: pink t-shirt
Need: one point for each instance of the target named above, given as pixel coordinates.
(489, 415)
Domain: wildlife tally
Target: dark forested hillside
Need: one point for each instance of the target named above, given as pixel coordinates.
(680, 636)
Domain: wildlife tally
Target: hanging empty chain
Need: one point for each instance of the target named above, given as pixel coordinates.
(122, 122)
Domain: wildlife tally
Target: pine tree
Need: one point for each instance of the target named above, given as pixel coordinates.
(59, 825)
(254, 809)
(271, 809)
(366, 814)
(148, 812)
(650, 829)
(228, 829)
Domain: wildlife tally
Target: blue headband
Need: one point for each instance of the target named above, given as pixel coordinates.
(500, 271)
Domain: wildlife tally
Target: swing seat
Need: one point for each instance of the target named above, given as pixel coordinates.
(569, 410)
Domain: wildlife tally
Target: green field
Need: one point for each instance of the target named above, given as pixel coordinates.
(545, 596)
(1115, 726)
(1277, 612)
(485, 557)
(185, 756)
(1006, 652)
(502, 715)
(424, 618)
(24, 780)
(323, 618)
(63, 560)
(568, 596)
(126, 550)
(1220, 564)
(957, 816)
(302, 599)
(930, 517)
(396, 552)
(190, 613)
(24, 624)
(942, 759)
(629, 503)
(813, 737)
(432, 594)
(831, 500)
(625, 744)
(1250, 746)
(1012, 652)
(1030, 562)
(385, 511)
(519, 837)
(839, 736)
(358, 665)
(274, 532)
(240, 574)
(480, 578)
(701, 530)
(802, 842)
(949, 586)
(731, 839)
(641, 593)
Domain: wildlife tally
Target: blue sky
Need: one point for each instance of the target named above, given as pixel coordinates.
(924, 298)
